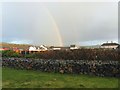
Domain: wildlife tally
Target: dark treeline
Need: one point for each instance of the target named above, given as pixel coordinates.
(80, 54)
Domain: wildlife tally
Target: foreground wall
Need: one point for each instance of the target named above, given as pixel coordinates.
(98, 68)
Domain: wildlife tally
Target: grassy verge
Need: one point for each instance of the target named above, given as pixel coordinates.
(13, 78)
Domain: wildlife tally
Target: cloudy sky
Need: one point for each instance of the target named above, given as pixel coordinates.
(55, 23)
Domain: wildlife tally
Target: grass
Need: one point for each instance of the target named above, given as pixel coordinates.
(13, 78)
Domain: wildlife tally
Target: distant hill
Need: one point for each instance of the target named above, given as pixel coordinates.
(10, 45)
(92, 46)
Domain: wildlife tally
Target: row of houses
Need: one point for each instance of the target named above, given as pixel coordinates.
(39, 48)
(73, 47)
(46, 48)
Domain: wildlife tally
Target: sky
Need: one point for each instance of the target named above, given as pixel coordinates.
(59, 23)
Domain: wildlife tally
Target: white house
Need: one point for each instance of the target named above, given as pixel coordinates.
(73, 47)
(32, 48)
(59, 48)
(40, 48)
(56, 48)
(44, 48)
(109, 45)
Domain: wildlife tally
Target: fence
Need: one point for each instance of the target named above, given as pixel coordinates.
(90, 67)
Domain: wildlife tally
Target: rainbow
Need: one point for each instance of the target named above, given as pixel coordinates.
(56, 29)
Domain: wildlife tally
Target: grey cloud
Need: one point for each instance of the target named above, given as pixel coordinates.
(77, 22)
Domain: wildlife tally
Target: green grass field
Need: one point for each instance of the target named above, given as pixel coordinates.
(13, 78)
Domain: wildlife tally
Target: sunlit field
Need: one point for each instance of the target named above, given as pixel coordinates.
(13, 78)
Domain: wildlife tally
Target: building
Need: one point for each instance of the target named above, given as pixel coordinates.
(59, 48)
(38, 48)
(4, 49)
(73, 47)
(109, 45)
(45, 48)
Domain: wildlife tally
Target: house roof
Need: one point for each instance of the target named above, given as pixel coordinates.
(4, 48)
(109, 44)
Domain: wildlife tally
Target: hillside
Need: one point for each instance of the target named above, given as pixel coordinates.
(92, 46)
(9, 45)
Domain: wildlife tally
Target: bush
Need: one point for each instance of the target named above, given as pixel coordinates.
(10, 53)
